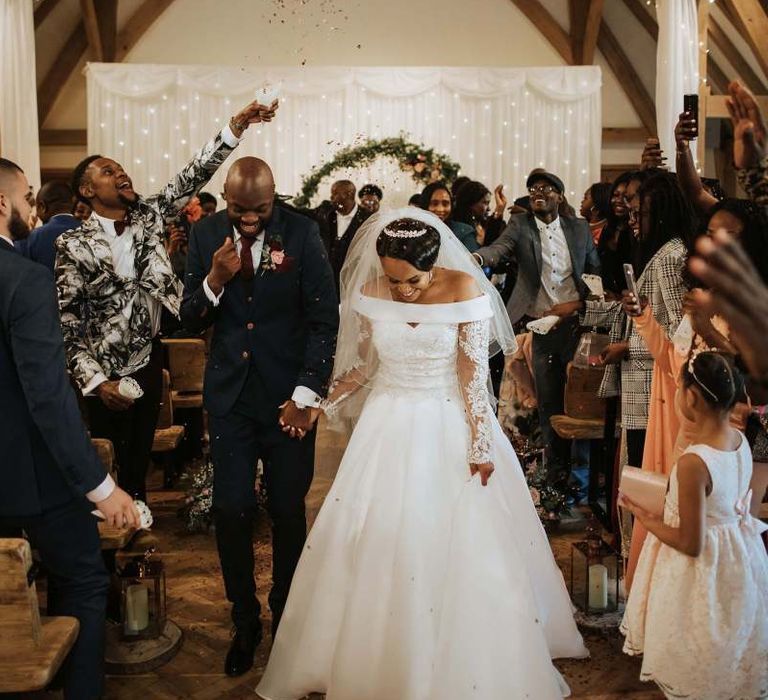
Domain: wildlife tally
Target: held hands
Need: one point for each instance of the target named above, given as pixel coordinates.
(111, 397)
(295, 421)
(750, 139)
(485, 470)
(566, 309)
(225, 265)
(119, 510)
(253, 113)
(631, 305)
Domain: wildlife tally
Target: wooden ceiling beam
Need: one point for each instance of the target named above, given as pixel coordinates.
(108, 27)
(734, 57)
(754, 20)
(138, 24)
(43, 10)
(547, 25)
(92, 31)
(619, 134)
(591, 30)
(53, 82)
(716, 77)
(63, 137)
(628, 78)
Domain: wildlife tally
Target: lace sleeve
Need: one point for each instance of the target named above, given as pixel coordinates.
(343, 386)
(472, 367)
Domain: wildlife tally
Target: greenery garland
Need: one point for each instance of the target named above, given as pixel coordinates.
(424, 164)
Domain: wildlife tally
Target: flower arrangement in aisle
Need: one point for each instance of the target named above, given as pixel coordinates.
(196, 510)
(424, 164)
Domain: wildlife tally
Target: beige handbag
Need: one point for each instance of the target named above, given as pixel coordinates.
(646, 489)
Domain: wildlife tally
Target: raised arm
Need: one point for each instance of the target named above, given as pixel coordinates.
(472, 370)
(195, 174)
(687, 174)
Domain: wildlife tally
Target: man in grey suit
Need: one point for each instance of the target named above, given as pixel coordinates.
(552, 253)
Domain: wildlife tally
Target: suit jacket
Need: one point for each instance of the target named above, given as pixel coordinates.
(46, 457)
(282, 325)
(465, 233)
(112, 344)
(41, 246)
(522, 242)
(335, 247)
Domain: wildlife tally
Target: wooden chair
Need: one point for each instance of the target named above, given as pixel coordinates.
(186, 363)
(106, 451)
(168, 436)
(32, 648)
(584, 419)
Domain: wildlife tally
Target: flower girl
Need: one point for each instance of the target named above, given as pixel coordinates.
(698, 608)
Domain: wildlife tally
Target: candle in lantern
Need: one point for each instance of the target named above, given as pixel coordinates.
(136, 608)
(598, 587)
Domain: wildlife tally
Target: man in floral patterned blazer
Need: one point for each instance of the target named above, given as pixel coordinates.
(114, 279)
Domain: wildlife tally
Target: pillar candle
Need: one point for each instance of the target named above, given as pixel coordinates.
(598, 587)
(136, 608)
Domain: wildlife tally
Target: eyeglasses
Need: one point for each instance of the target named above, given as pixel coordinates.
(542, 189)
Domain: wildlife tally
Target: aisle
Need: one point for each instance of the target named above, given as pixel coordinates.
(196, 602)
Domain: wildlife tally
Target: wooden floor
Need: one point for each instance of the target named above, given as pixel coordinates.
(196, 602)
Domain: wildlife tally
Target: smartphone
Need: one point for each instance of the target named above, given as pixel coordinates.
(629, 277)
(691, 106)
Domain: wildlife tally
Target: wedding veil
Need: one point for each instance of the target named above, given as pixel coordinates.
(362, 278)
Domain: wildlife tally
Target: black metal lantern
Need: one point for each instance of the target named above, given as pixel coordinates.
(595, 575)
(142, 598)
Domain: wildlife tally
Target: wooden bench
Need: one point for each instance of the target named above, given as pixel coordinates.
(32, 648)
(106, 451)
(168, 436)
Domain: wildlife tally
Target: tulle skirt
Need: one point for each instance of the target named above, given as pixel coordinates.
(418, 583)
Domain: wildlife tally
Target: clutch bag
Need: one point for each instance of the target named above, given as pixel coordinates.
(647, 489)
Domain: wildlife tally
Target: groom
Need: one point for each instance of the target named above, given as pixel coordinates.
(259, 274)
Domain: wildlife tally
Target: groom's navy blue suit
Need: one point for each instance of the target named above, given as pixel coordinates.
(269, 336)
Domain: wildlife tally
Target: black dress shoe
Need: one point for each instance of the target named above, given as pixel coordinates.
(241, 651)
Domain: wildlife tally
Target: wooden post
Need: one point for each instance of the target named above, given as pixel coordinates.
(704, 88)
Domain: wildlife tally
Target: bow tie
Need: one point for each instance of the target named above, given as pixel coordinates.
(120, 226)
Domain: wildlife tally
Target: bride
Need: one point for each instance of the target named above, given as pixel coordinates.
(427, 574)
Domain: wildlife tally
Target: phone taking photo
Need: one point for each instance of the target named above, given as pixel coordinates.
(629, 277)
(691, 107)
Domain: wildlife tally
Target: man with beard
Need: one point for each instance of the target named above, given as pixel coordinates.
(257, 272)
(116, 267)
(552, 254)
(50, 475)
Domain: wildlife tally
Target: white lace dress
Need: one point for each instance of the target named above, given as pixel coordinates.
(416, 582)
(702, 623)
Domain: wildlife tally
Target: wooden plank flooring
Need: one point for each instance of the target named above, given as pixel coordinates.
(196, 602)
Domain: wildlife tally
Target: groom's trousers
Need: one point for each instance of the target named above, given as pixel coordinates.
(250, 432)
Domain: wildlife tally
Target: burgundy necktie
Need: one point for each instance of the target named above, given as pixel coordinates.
(246, 259)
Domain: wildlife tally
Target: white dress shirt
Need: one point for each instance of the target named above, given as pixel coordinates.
(343, 221)
(106, 487)
(302, 396)
(557, 283)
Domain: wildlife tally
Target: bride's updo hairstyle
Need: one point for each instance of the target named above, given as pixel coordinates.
(414, 241)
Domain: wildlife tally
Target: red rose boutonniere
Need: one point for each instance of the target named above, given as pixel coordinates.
(273, 256)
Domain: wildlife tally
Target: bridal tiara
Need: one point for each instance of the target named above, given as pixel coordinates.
(412, 233)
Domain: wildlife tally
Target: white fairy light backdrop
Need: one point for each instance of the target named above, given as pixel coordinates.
(498, 123)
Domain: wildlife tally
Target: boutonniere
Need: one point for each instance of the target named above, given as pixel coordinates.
(273, 256)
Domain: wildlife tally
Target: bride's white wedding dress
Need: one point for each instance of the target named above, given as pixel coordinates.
(416, 582)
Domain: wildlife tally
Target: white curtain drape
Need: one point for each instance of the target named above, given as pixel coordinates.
(498, 123)
(19, 139)
(677, 66)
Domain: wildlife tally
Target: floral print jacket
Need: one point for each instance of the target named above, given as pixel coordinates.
(99, 337)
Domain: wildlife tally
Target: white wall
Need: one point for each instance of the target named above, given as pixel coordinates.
(342, 32)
